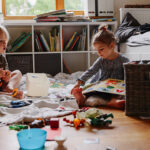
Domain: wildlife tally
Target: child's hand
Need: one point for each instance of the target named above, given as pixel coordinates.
(6, 76)
(77, 86)
(1, 72)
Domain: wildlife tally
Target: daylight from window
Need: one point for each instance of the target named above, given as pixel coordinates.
(74, 4)
(28, 7)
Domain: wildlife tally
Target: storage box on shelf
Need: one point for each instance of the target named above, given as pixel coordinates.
(66, 46)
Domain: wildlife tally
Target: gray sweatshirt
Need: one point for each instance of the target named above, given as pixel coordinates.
(103, 69)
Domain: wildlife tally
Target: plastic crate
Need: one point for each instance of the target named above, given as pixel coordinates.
(137, 80)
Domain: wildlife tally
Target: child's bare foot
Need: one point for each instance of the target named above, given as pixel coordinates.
(80, 98)
(115, 103)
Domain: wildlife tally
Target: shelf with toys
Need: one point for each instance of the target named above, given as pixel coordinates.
(51, 47)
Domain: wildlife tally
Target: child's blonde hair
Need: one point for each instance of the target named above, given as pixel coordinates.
(103, 35)
(3, 30)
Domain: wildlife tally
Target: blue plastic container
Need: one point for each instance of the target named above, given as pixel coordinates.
(31, 139)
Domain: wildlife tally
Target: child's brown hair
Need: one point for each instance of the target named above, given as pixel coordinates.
(103, 35)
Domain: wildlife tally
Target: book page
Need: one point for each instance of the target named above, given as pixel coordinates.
(113, 86)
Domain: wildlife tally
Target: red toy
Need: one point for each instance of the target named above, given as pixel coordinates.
(54, 123)
(76, 122)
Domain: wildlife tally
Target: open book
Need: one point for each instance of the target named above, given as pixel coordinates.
(113, 86)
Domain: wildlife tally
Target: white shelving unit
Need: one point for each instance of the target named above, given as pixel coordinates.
(52, 62)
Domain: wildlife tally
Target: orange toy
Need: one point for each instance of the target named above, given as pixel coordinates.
(14, 93)
(76, 122)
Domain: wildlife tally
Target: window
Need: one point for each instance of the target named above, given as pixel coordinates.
(27, 9)
(74, 5)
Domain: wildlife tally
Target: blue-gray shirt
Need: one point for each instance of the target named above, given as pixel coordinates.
(103, 69)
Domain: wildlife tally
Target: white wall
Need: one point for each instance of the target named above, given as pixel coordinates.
(121, 3)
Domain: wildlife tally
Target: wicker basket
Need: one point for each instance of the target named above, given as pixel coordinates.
(137, 80)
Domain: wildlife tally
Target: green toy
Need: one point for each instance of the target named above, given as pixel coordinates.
(18, 127)
(101, 120)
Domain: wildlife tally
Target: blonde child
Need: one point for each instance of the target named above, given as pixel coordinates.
(8, 80)
(108, 65)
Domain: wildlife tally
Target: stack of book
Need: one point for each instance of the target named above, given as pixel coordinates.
(103, 19)
(77, 41)
(19, 42)
(59, 15)
(47, 45)
(53, 16)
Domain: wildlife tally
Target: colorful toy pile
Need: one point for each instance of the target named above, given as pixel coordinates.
(90, 116)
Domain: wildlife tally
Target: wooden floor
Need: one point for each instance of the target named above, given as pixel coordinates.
(125, 133)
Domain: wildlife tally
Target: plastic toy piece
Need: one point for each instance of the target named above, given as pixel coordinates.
(100, 122)
(18, 103)
(18, 127)
(74, 113)
(76, 122)
(105, 116)
(54, 123)
(14, 93)
(38, 123)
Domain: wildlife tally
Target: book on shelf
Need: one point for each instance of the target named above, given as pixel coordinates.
(75, 48)
(56, 12)
(57, 39)
(74, 42)
(22, 36)
(47, 19)
(113, 86)
(81, 44)
(44, 42)
(19, 42)
(39, 45)
(103, 19)
(70, 41)
(83, 39)
(36, 43)
(54, 39)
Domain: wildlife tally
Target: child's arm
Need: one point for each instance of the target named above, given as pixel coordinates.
(6, 77)
(1, 72)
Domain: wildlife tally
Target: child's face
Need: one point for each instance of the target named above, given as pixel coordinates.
(104, 50)
(3, 43)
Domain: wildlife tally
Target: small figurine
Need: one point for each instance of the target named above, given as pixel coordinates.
(18, 127)
(76, 122)
(92, 116)
(101, 120)
(38, 123)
